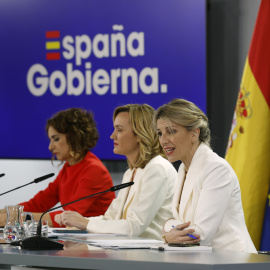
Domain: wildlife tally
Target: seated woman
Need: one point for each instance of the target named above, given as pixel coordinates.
(142, 209)
(72, 133)
(207, 200)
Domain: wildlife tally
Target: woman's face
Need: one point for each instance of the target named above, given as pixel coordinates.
(175, 140)
(125, 141)
(59, 146)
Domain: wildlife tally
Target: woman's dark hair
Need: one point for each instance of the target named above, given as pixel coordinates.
(79, 127)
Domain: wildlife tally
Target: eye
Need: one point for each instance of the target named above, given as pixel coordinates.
(170, 131)
(56, 139)
(159, 133)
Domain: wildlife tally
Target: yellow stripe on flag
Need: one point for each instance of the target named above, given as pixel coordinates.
(248, 151)
(52, 45)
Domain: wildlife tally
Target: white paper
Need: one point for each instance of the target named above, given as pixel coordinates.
(165, 247)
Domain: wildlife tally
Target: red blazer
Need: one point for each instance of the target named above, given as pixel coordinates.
(74, 182)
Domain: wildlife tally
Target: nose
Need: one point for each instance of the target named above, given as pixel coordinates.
(112, 135)
(51, 146)
(163, 139)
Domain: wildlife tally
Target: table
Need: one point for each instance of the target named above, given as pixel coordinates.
(77, 258)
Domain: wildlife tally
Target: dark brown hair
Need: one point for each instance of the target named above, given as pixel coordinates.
(79, 127)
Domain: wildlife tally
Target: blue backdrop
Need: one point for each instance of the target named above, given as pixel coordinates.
(97, 55)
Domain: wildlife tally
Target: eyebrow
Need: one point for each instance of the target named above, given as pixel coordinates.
(169, 127)
(118, 126)
(172, 126)
(53, 136)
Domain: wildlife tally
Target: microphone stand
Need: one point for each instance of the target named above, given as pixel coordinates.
(37, 180)
(42, 243)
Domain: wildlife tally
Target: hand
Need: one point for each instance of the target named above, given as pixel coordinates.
(71, 219)
(178, 234)
(68, 245)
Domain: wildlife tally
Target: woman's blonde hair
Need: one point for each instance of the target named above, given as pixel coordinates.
(185, 114)
(140, 118)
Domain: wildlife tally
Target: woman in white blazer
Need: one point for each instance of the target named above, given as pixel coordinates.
(142, 209)
(207, 201)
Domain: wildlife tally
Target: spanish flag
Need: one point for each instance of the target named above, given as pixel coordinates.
(248, 149)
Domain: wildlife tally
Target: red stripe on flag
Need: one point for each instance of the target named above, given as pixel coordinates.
(53, 56)
(52, 34)
(259, 52)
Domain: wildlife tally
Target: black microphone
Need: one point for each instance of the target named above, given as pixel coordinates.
(115, 188)
(42, 243)
(37, 180)
(2, 174)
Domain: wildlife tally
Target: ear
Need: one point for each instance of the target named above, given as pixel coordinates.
(195, 134)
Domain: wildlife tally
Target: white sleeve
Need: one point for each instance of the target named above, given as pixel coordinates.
(150, 195)
(170, 223)
(112, 210)
(213, 201)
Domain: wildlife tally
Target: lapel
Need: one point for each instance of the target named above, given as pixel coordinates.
(124, 197)
(178, 191)
(136, 179)
(124, 193)
(192, 177)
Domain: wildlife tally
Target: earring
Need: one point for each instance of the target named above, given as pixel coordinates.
(76, 156)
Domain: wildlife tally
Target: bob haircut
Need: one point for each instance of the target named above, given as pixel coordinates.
(79, 127)
(140, 118)
(186, 114)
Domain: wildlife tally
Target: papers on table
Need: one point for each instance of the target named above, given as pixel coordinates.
(124, 242)
(165, 247)
(115, 241)
(128, 243)
(67, 233)
(146, 244)
(118, 241)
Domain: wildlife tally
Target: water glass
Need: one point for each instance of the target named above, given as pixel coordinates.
(31, 228)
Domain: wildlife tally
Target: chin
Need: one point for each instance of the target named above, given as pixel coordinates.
(172, 159)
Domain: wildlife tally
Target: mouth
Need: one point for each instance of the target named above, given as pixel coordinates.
(169, 150)
(115, 144)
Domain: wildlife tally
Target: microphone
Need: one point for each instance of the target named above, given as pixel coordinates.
(37, 180)
(117, 187)
(2, 174)
(42, 243)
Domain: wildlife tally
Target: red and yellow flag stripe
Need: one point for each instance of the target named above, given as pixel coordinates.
(248, 149)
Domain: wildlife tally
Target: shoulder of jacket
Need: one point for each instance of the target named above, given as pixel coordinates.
(207, 161)
(160, 163)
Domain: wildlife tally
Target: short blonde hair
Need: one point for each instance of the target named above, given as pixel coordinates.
(186, 114)
(140, 118)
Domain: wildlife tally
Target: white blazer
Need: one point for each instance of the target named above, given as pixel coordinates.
(149, 204)
(211, 201)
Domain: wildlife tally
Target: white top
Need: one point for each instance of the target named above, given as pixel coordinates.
(211, 201)
(150, 202)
